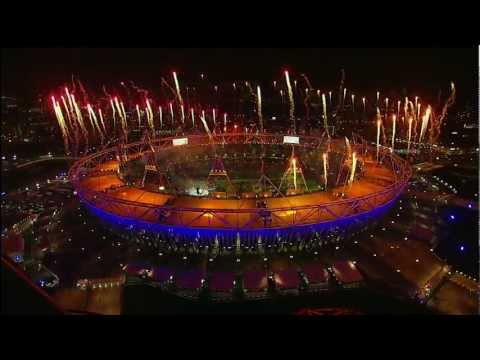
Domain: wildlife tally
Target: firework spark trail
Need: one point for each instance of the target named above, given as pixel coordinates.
(224, 122)
(123, 118)
(411, 110)
(138, 115)
(349, 148)
(393, 132)
(66, 108)
(353, 102)
(425, 119)
(325, 121)
(325, 177)
(193, 117)
(292, 103)
(95, 121)
(160, 115)
(113, 115)
(259, 109)
(364, 105)
(91, 119)
(344, 96)
(182, 112)
(330, 98)
(61, 123)
(73, 123)
(386, 107)
(398, 108)
(149, 111)
(307, 81)
(437, 124)
(171, 111)
(410, 119)
(378, 137)
(294, 165)
(354, 167)
(177, 87)
(101, 120)
(378, 98)
(379, 118)
(124, 114)
(205, 125)
(172, 90)
(214, 119)
(69, 99)
(80, 119)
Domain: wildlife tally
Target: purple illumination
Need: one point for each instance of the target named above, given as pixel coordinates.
(462, 248)
(452, 217)
(209, 233)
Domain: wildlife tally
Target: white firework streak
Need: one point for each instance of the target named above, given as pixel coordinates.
(292, 103)
(259, 109)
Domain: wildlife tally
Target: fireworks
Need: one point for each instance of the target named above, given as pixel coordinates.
(138, 115)
(101, 120)
(354, 166)
(149, 113)
(160, 116)
(61, 122)
(393, 131)
(349, 148)
(410, 119)
(324, 156)
(378, 137)
(204, 121)
(70, 112)
(177, 87)
(325, 122)
(259, 108)
(424, 123)
(294, 165)
(171, 110)
(113, 113)
(292, 104)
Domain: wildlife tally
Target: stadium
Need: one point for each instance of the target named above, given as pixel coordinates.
(241, 189)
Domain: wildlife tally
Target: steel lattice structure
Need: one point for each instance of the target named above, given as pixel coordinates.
(165, 216)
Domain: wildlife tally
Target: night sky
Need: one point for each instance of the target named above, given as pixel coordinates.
(26, 72)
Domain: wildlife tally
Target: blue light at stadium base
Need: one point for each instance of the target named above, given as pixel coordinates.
(193, 234)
